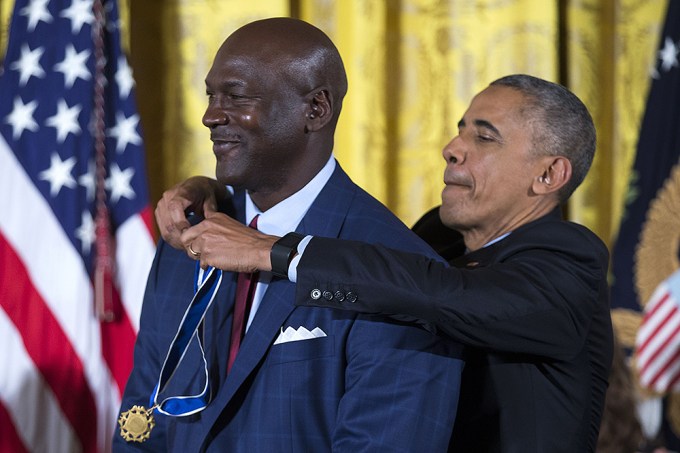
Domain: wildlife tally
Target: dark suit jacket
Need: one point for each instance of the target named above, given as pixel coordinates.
(372, 384)
(533, 306)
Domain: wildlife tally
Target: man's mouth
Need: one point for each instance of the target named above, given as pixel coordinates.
(453, 180)
(218, 139)
(224, 143)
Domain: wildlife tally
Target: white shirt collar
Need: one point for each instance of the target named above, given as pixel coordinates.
(286, 216)
(499, 238)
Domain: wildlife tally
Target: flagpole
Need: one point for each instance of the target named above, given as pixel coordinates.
(104, 265)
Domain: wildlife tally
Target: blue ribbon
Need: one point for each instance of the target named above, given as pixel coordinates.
(206, 284)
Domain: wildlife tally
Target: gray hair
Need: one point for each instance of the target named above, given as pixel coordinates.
(562, 125)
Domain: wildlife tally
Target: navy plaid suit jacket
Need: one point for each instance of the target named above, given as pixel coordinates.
(372, 384)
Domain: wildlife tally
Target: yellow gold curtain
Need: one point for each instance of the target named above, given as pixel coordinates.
(413, 66)
(610, 52)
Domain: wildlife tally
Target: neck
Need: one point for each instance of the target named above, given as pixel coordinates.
(476, 238)
(267, 197)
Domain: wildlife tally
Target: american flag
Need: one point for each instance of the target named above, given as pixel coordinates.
(658, 339)
(62, 368)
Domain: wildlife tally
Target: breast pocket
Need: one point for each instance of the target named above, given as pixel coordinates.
(294, 351)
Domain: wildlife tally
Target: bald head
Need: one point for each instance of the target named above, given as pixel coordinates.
(294, 50)
(275, 92)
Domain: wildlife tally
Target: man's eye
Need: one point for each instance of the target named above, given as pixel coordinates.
(485, 138)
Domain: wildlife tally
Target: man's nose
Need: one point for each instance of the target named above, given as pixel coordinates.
(215, 116)
(453, 151)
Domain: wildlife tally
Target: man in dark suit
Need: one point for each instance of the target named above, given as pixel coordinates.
(526, 290)
(302, 379)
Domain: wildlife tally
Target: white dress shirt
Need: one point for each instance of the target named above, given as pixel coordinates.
(282, 218)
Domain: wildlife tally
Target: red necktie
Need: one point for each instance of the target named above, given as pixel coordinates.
(245, 291)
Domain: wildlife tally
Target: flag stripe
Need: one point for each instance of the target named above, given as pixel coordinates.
(57, 361)
(658, 334)
(659, 381)
(9, 439)
(118, 340)
(652, 308)
(148, 219)
(654, 324)
(44, 430)
(663, 351)
(133, 239)
(73, 309)
(59, 269)
(658, 341)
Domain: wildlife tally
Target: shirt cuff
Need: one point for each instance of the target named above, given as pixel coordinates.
(292, 267)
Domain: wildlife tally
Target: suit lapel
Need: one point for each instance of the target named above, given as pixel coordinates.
(327, 214)
(324, 218)
(275, 307)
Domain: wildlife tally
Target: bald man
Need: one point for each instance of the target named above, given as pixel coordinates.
(213, 372)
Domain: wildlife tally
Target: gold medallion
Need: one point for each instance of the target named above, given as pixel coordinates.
(136, 424)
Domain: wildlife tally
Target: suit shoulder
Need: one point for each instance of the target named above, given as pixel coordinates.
(561, 235)
(558, 230)
(368, 220)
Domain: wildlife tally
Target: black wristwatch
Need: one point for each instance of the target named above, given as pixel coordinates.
(283, 252)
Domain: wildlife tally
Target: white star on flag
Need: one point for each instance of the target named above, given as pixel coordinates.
(88, 181)
(119, 183)
(29, 64)
(124, 77)
(21, 117)
(668, 55)
(74, 66)
(125, 131)
(85, 232)
(65, 121)
(36, 11)
(79, 13)
(59, 174)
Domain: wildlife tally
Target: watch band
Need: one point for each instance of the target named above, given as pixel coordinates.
(282, 253)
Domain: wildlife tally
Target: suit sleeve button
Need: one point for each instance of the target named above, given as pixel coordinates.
(339, 296)
(315, 294)
(328, 295)
(351, 297)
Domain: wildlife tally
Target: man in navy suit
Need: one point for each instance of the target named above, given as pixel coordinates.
(303, 379)
(524, 289)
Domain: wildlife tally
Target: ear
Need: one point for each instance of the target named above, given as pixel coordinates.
(319, 110)
(555, 172)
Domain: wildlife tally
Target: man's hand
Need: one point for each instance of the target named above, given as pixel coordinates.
(196, 194)
(227, 244)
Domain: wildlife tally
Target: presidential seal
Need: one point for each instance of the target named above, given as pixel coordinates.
(136, 424)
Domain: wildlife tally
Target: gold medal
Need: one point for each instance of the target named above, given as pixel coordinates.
(136, 424)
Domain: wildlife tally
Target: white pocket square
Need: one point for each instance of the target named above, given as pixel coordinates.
(299, 334)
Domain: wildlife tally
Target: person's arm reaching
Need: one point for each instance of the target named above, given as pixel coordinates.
(518, 299)
(536, 301)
